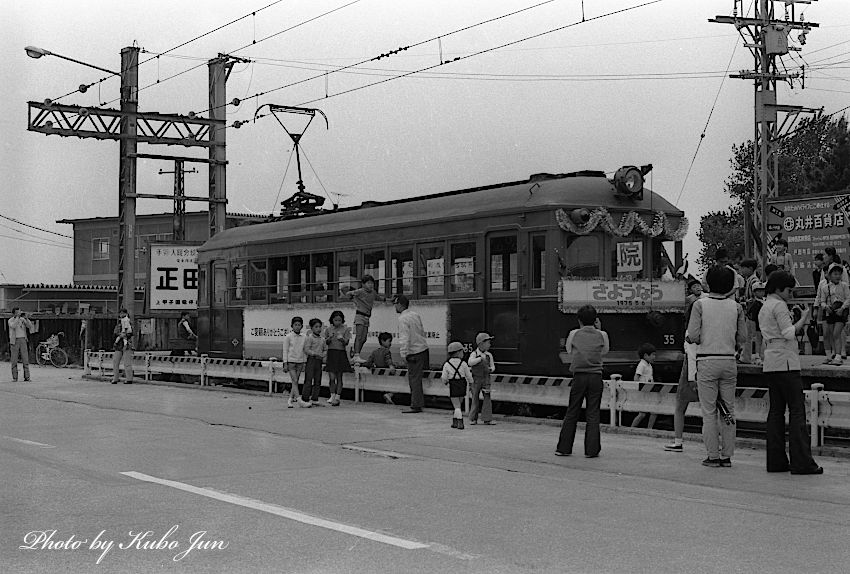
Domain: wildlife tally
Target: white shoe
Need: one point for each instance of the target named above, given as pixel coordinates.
(330, 399)
(290, 403)
(304, 404)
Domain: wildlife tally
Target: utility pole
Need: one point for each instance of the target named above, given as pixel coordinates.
(767, 37)
(127, 179)
(179, 225)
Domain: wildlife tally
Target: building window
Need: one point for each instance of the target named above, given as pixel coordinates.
(583, 256)
(538, 261)
(323, 277)
(401, 270)
(375, 264)
(463, 268)
(433, 270)
(100, 248)
(347, 271)
(279, 273)
(503, 263)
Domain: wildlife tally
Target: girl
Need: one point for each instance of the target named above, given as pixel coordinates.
(294, 360)
(835, 296)
(457, 376)
(782, 259)
(337, 336)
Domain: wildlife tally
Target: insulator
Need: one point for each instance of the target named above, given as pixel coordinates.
(83, 88)
(192, 115)
(236, 101)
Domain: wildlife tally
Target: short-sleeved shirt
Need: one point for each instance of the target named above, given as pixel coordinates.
(777, 331)
(643, 372)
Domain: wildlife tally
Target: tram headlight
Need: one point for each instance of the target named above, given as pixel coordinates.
(628, 180)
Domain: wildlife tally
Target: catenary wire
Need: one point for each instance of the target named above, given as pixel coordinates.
(12, 219)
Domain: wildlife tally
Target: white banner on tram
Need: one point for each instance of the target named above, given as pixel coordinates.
(265, 326)
(622, 296)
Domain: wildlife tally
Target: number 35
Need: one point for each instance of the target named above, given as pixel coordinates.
(669, 339)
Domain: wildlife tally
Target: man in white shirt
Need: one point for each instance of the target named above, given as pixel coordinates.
(414, 350)
(18, 325)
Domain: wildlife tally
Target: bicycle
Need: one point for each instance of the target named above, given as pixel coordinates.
(49, 352)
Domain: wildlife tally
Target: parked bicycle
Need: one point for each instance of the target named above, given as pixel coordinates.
(49, 352)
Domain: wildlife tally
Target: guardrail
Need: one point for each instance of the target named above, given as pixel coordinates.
(825, 409)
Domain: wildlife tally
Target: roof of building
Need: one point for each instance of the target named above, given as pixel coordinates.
(257, 216)
(539, 192)
(65, 287)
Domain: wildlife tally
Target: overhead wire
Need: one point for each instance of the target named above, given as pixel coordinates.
(177, 47)
(12, 219)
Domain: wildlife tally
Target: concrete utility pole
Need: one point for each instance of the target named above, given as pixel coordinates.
(767, 37)
(179, 226)
(127, 179)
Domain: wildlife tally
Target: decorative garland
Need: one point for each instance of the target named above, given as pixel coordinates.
(628, 222)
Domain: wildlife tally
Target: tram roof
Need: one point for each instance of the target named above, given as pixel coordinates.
(539, 192)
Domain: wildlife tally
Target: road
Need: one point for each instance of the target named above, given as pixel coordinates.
(144, 478)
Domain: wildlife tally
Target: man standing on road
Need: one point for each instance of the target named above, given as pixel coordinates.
(414, 350)
(123, 348)
(18, 325)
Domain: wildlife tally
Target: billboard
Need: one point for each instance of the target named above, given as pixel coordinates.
(173, 277)
(265, 326)
(810, 225)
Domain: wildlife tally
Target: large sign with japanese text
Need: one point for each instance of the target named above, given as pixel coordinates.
(266, 326)
(173, 277)
(809, 226)
(622, 296)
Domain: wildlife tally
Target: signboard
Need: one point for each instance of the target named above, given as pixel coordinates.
(265, 326)
(629, 257)
(810, 225)
(173, 277)
(621, 296)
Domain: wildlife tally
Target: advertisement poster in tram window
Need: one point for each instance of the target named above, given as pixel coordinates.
(810, 225)
(621, 296)
(173, 277)
(265, 326)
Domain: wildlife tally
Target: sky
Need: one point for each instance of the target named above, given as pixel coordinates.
(628, 89)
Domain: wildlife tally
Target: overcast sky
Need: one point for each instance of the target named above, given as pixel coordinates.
(575, 99)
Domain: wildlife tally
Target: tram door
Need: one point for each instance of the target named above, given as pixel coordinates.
(225, 324)
(501, 293)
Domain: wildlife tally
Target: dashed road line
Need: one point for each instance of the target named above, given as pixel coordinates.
(29, 442)
(376, 452)
(283, 512)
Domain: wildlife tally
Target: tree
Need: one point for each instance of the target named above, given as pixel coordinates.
(813, 159)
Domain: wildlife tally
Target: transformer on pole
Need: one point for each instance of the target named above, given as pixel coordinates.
(767, 38)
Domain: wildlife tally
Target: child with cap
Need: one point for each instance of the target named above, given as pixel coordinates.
(457, 376)
(481, 363)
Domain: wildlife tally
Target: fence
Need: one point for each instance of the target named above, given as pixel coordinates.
(825, 409)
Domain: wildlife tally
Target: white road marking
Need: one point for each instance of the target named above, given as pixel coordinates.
(30, 442)
(281, 511)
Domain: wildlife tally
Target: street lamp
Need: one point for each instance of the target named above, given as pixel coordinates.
(34, 52)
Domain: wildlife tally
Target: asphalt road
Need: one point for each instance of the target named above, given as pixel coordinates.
(142, 478)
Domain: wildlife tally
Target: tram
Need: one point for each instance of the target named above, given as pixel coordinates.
(515, 259)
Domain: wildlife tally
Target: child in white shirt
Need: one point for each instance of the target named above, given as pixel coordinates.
(644, 374)
(458, 377)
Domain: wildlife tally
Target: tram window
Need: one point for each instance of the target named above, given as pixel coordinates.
(583, 256)
(347, 271)
(401, 270)
(237, 282)
(220, 285)
(503, 263)
(538, 261)
(279, 273)
(299, 278)
(323, 277)
(258, 280)
(375, 264)
(627, 259)
(203, 294)
(463, 267)
(433, 270)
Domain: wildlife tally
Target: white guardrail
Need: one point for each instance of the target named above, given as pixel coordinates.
(825, 409)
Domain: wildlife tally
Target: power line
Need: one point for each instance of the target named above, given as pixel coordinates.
(33, 226)
(283, 179)
(254, 13)
(492, 49)
(30, 234)
(393, 52)
(708, 119)
(319, 179)
(302, 23)
(39, 242)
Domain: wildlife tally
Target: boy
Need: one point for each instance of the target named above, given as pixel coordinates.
(482, 365)
(586, 346)
(364, 299)
(315, 349)
(294, 360)
(718, 327)
(748, 272)
(644, 374)
(382, 358)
